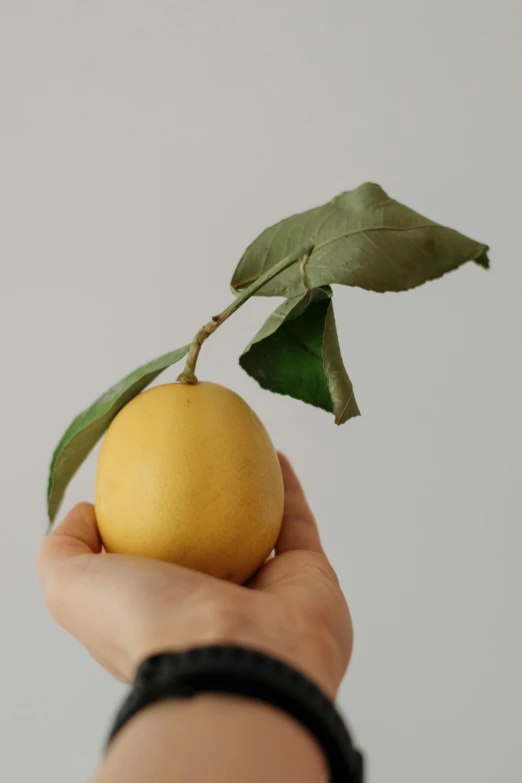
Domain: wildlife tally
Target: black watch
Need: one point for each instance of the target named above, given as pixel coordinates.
(246, 672)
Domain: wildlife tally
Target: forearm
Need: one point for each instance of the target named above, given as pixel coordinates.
(212, 738)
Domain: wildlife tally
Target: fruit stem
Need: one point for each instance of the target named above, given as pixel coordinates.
(303, 254)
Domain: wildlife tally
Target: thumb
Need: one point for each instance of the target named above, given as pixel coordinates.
(76, 535)
(299, 528)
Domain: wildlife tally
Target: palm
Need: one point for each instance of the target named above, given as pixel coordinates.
(123, 607)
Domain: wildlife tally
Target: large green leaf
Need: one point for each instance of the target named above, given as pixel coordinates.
(363, 238)
(87, 428)
(296, 352)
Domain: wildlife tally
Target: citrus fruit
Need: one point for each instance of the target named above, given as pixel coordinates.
(188, 474)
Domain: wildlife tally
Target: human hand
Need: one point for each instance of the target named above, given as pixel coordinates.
(125, 608)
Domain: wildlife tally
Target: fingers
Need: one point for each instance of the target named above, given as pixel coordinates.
(76, 535)
(299, 529)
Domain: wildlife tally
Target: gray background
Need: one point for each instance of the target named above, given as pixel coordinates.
(143, 145)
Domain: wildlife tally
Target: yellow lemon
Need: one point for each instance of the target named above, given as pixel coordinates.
(188, 474)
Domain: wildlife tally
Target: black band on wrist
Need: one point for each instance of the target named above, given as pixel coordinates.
(244, 672)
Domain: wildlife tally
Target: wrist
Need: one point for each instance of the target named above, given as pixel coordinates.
(311, 661)
(216, 738)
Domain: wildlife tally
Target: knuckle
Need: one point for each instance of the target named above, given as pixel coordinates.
(317, 563)
(58, 585)
(40, 558)
(44, 558)
(309, 559)
(54, 597)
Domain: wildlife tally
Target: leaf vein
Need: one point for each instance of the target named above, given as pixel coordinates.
(371, 228)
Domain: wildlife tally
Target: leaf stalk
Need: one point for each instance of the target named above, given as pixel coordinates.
(302, 254)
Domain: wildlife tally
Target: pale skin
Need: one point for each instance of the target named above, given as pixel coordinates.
(125, 608)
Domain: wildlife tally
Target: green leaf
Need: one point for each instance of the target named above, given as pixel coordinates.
(363, 238)
(87, 428)
(296, 352)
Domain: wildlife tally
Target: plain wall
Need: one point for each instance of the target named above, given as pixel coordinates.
(143, 145)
